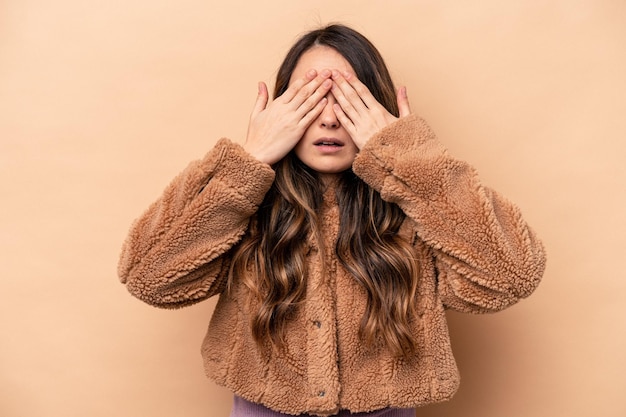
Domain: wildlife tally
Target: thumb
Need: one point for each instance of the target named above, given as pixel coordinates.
(403, 102)
(261, 100)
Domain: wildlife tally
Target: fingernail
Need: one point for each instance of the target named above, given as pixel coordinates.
(327, 83)
(347, 75)
(325, 73)
(311, 73)
(335, 73)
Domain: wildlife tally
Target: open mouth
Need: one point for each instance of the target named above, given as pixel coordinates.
(328, 142)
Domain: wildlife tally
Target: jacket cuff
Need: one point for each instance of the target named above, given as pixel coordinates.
(240, 171)
(408, 137)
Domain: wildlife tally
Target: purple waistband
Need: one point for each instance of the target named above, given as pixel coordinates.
(245, 408)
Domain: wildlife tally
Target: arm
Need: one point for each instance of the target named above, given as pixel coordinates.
(487, 256)
(176, 252)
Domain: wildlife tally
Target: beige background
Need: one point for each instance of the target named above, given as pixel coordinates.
(102, 102)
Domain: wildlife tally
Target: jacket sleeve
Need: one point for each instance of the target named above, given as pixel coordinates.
(176, 253)
(486, 256)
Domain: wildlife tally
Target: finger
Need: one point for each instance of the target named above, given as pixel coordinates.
(343, 118)
(311, 88)
(313, 114)
(314, 98)
(345, 103)
(355, 91)
(261, 100)
(302, 88)
(295, 86)
(403, 102)
(361, 89)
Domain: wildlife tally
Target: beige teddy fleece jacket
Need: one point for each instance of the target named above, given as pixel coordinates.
(475, 251)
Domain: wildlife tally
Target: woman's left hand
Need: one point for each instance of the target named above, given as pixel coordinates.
(358, 111)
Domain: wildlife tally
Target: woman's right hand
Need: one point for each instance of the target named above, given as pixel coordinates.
(275, 128)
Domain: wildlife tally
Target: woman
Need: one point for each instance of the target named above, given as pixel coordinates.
(336, 237)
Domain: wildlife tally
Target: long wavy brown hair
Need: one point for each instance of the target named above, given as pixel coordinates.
(368, 245)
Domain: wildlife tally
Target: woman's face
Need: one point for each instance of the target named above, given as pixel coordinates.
(326, 146)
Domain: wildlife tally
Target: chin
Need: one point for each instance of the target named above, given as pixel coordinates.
(325, 169)
(327, 165)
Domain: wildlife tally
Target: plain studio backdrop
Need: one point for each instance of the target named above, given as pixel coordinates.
(102, 102)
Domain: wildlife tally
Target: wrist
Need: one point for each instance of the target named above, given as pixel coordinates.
(257, 154)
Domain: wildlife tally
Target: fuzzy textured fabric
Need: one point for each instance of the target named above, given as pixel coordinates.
(476, 254)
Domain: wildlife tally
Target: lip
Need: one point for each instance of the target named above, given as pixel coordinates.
(333, 142)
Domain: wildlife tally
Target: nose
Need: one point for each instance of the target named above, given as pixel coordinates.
(327, 117)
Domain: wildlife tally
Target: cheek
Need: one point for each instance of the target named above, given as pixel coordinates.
(309, 133)
(299, 149)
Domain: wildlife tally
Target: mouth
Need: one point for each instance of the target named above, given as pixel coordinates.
(328, 142)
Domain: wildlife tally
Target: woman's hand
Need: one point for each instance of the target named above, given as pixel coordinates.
(357, 109)
(275, 128)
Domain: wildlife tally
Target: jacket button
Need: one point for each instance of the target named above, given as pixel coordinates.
(321, 393)
(317, 323)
